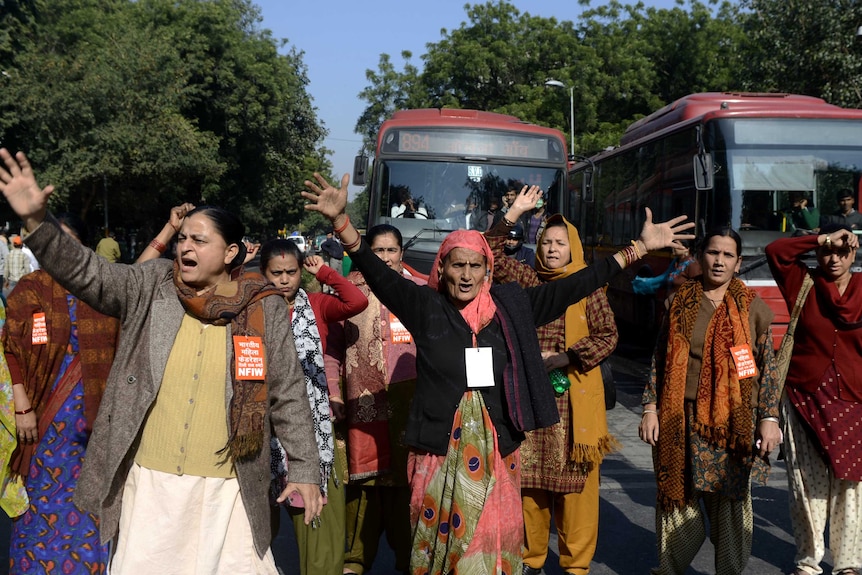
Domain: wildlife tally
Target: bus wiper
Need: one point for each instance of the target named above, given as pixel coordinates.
(409, 243)
(759, 261)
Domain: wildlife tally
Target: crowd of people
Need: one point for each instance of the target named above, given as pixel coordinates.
(158, 414)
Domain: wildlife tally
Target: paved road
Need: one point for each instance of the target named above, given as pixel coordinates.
(627, 535)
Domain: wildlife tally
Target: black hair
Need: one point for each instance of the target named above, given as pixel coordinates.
(516, 233)
(382, 230)
(514, 184)
(279, 247)
(845, 193)
(724, 232)
(833, 227)
(75, 224)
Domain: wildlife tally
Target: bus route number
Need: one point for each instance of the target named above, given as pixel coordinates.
(413, 142)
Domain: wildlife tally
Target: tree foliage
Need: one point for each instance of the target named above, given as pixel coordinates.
(624, 61)
(155, 102)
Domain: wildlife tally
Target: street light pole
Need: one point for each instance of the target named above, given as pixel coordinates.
(558, 84)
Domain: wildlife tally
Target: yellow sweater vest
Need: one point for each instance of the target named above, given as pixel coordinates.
(187, 424)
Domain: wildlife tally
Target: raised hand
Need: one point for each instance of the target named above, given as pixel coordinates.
(178, 214)
(325, 198)
(524, 202)
(18, 184)
(656, 236)
(312, 264)
(844, 238)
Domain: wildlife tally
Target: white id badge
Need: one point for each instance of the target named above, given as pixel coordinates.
(480, 367)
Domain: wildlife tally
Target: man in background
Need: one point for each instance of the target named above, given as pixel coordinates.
(17, 265)
(108, 247)
(514, 247)
(846, 214)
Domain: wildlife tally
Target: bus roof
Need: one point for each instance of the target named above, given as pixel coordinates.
(711, 105)
(456, 118)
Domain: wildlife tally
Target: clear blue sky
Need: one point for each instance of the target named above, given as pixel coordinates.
(342, 39)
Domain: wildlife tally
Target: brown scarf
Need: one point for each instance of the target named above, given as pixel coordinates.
(723, 405)
(38, 366)
(238, 303)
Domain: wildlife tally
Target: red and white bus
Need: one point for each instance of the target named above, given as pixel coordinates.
(722, 159)
(442, 158)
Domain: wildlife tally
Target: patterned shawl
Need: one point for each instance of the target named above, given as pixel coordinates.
(723, 404)
(240, 304)
(309, 348)
(38, 366)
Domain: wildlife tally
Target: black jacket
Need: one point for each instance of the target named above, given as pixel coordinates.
(441, 336)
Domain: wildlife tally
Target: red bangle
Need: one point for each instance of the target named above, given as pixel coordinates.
(348, 247)
(158, 246)
(25, 412)
(344, 227)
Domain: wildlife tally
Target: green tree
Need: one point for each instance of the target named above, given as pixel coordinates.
(157, 102)
(805, 47)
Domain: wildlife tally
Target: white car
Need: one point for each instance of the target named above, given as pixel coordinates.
(300, 243)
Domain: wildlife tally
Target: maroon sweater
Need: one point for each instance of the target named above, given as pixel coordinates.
(826, 333)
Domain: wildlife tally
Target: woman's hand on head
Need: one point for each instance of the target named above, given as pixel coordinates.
(656, 236)
(178, 214)
(844, 238)
(325, 198)
(311, 498)
(18, 184)
(312, 264)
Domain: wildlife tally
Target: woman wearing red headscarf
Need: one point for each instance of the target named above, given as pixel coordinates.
(480, 384)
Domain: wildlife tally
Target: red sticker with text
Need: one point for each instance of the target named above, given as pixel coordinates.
(40, 329)
(248, 352)
(398, 331)
(744, 360)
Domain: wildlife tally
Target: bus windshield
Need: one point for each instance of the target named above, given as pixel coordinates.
(445, 191)
(769, 164)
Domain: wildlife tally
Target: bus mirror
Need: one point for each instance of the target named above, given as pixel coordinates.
(703, 172)
(587, 187)
(360, 170)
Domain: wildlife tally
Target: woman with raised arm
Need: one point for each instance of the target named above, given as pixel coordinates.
(560, 464)
(481, 383)
(321, 544)
(822, 404)
(59, 352)
(205, 368)
(710, 410)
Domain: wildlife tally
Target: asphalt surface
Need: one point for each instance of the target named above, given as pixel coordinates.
(627, 531)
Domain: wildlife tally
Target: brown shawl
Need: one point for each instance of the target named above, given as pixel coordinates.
(38, 366)
(238, 303)
(723, 407)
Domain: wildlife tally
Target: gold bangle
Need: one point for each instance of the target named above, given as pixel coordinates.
(637, 249)
(828, 241)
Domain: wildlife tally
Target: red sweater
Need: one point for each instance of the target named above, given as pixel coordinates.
(820, 340)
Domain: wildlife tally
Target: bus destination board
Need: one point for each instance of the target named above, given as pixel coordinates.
(472, 143)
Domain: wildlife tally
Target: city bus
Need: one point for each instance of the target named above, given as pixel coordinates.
(443, 159)
(721, 159)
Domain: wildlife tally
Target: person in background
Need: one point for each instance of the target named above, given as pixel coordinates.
(59, 351)
(17, 265)
(846, 214)
(108, 248)
(406, 206)
(13, 493)
(560, 465)
(489, 218)
(183, 431)
(512, 189)
(375, 356)
(480, 383)
(514, 247)
(681, 268)
(710, 411)
(822, 404)
(321, 544)
(804, 217)
(534, 221)
(333, 252)
(471, 213)
(4, 253)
